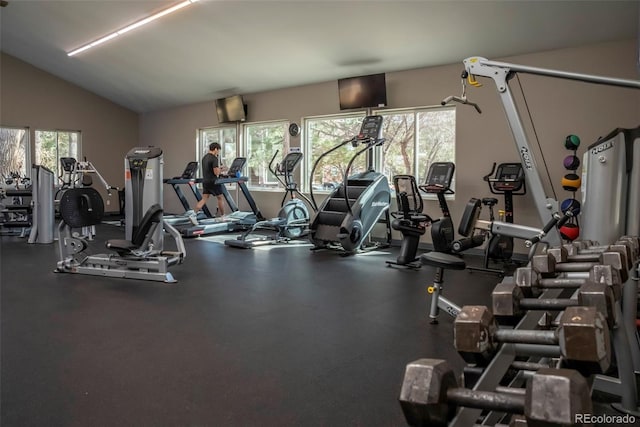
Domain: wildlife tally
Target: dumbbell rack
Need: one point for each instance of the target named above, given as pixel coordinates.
(625, 341)
(610, 273)
(500, 364)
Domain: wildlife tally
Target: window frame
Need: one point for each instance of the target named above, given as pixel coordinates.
(202, 147)
(378, 160)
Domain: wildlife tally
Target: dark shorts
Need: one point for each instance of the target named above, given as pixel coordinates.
(215, 189)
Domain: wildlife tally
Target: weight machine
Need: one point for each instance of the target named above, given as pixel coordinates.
(16, 214)
(77, 174)
(501, 73)
(141, 255)
(547, 207)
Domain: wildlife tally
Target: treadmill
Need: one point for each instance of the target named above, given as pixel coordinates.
(236, 220)
(188, 177)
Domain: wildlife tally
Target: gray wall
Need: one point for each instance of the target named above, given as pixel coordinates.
(30, 97)
(557, 107)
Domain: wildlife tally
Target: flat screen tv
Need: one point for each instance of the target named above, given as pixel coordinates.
(231, 109)
(363, 92)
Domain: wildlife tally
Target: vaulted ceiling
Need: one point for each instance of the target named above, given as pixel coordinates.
(217, 48)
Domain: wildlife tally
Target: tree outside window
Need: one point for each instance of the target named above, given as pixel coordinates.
(324, 133)
(14, 151)
(415, 139)
(51, 145)
(263, 140)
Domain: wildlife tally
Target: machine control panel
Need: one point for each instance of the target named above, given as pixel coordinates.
(371, 128)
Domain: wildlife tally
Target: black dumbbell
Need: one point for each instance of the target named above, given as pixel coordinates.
(547, 265)
(582, 337)
(508, 300)
(430, 396)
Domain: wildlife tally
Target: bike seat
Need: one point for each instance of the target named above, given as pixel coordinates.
(489, 201)
(442, 260)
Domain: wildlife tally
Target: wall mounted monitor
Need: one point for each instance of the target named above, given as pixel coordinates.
(363, 92)
(231, 109)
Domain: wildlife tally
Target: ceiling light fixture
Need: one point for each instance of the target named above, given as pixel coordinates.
(128, 28)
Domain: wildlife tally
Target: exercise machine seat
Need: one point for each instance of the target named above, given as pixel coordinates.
(443, 260)
(151, 219)
(411, 225)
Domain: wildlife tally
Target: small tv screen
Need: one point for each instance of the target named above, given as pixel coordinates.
(231, 109)
(363, 92)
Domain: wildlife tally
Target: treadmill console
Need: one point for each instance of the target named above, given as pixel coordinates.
(190, 171)
(236, 166)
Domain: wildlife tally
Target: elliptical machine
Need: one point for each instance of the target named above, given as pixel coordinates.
(292, 221)
(507, 181)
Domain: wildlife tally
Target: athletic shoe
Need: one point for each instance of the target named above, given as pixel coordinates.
(193, 217)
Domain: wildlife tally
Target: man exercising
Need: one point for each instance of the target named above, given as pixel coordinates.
(211, 169)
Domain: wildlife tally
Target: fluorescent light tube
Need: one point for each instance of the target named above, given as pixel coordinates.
(128, 28)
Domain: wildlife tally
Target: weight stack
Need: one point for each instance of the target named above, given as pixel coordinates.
(611, 187)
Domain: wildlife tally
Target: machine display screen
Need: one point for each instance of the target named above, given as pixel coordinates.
(236, 165)
(291, 161)
(440, 175)
(511, 172)
(371, 127)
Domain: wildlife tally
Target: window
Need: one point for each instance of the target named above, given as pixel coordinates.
(51, 145)
(324, 133)
(14, 152)
(262, 141)
(226, 136)
(415, 139)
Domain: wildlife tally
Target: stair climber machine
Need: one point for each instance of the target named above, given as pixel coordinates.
(507, 181)
(292, 221)
(141, 255)
(346, 218)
